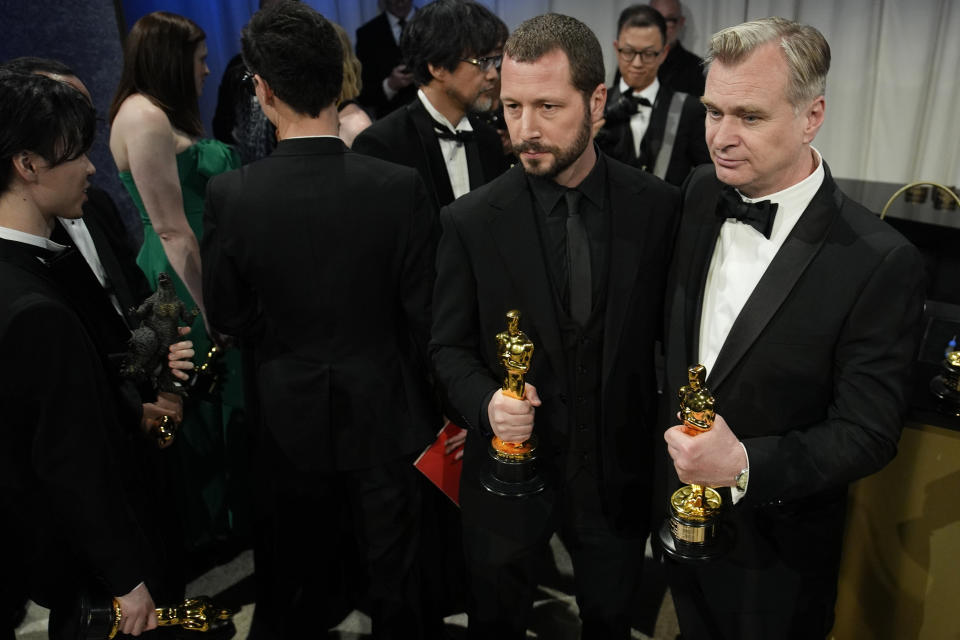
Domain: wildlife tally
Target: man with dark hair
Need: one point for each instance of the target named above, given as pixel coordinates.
(578, 243)
(681, 70)
(386, 79)
(452, 48)
(70, 524)
(340, 352)
(646, 124)
(804, 308)
(104, 284)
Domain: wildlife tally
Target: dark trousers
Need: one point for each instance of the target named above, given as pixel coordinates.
(315, 531)
(503, 573)
(772, 602)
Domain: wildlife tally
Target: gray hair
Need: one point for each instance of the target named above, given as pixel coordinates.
(805, 49)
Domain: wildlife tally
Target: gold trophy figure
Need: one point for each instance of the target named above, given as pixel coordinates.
(693, 533)
(195, 614)
(96, 616)
(512, 468)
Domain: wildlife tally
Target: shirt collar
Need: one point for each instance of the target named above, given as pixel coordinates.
(394, 19)
(463, 125)
(792, 201)
(548, 193)
(28, 238)
(650, 92)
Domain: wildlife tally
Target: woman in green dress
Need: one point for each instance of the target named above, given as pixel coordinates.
(156, 142)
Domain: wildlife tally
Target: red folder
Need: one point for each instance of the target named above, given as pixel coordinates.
(441, 468)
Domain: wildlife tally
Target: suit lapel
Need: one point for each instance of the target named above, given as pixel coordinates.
(627, 231)
(513, 231)
(793, 258)
(111, 266)
(435, 167)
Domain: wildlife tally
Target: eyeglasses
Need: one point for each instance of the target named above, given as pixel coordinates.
(486, 63)
(647, 55)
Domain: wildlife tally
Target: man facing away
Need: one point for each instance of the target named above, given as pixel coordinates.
(804, 308)
(452, 47)
(323, 260)
(579, 244)
(648, 124)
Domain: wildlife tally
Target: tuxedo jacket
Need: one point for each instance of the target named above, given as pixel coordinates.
(67, 520)
(379, 53)
(682, 71)
(812, 378)
(490, 261)
(689, 147)
(322, 259)
(407, 137)
(106, 328)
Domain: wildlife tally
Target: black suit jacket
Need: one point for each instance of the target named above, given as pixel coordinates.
(812, 378)
(379, 54)
(682, 71)
(323, 259)
(489, 262)
(689, 147)
(67, 518)
(407, 137)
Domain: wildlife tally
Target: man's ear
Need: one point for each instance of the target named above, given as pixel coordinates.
(814, 119)
(598, 100)
(263, 90)
(25, 166)
(439, 73)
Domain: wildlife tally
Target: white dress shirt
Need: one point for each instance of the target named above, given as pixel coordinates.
(641, 119)
(454, 152)
(740, 258)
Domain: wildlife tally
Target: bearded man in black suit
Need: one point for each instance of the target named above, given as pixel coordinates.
(453, 50)
(804, 308)
(646, 123)
(578, 243)
(322, 260)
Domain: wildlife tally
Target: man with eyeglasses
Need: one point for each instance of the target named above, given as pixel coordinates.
(681, 70)
(452, 47)
(647, 124)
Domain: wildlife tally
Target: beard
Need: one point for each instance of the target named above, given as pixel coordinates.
(562, 157)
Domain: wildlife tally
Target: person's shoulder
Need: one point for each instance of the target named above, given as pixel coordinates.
(499, 193)
(370, 27)
(138, 111)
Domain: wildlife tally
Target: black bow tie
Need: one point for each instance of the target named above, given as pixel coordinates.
(638, 101)
(445, 134)
(758, 215)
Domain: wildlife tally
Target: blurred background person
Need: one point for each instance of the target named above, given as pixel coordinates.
(387, 80)
(156, 142)
(682, 70)
(647, 124)
(353, 119)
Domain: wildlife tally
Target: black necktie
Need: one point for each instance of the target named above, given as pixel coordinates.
(578, 260)
(758, 215)
(445, 134)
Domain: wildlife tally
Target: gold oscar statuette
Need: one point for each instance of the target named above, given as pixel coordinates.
(194, 614)
(512, 468)
(692, 533)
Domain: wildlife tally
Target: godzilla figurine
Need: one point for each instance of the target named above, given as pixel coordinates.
(160, 315)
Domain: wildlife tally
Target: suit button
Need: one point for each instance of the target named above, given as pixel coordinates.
(582, 427)
(582, 370)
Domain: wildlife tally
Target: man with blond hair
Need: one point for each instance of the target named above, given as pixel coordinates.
(804, 308)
